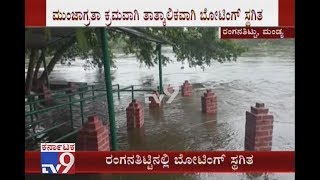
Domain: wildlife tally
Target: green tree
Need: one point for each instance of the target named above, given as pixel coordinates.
(197, 46)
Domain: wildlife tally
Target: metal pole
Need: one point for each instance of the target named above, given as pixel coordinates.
(132, 93)
(93, 88)
(108, 82)
(45, 69)
(118, 91)
(30, 99)
(81, 109)
(70, 108)
(160, 69)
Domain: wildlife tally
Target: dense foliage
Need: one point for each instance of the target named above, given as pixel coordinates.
(197, 46)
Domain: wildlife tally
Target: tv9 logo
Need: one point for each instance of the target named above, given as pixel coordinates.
(58, 158)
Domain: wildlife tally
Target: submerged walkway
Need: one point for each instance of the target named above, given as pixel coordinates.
(179, 125)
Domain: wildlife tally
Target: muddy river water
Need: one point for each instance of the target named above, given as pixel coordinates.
(265, 74)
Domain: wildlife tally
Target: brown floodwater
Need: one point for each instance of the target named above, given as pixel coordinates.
(264, 75)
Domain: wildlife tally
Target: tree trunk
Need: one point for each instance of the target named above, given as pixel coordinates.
(39, 62)
(33, 59)
(57, 56)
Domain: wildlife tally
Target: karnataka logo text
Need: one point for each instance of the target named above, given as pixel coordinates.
(57, 158)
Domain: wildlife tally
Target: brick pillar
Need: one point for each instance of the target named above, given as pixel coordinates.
(71, 88)
(170, 89)
(209, 102)
(94, 136)
(153, 103)
(135, 115)
(46, 95)
(186, 89)
(259, 129)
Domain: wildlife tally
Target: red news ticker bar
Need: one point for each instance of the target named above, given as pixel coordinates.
(95, 162)
(257, 32)
(35, 13)
(286, 13)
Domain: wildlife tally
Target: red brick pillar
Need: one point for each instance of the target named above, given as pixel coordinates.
(170, 89)
(259, 129)
(209, 102)
(94, 136)
(71, 88)
(153, 103)
(186, 89)
(45, 93)
(135, 115)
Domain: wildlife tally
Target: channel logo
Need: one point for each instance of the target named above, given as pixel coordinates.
(58, 158)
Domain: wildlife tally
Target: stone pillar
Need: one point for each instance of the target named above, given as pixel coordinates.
(135, 115)
(209, 102)
(71, 88)
(186, 89)
(153, 103)
(259, 129)
(94, 136)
